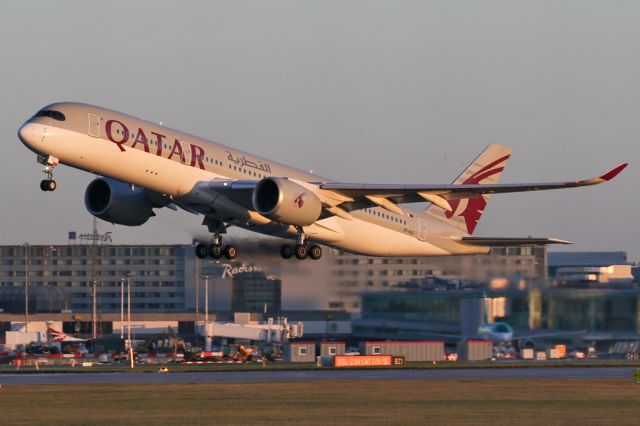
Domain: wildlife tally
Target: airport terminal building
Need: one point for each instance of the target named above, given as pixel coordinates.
(163, 277)
(352, 275)
(602, 314)
(168, 282)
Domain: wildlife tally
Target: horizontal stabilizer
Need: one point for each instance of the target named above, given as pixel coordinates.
(508, 242)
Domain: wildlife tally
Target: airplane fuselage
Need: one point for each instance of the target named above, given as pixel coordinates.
(173, 163)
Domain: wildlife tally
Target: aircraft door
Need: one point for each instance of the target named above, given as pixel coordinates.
(94, 125)
(422, 229)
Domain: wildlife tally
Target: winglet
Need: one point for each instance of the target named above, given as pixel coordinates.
(614, 172)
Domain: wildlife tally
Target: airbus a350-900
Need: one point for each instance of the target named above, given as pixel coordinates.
(146, 166)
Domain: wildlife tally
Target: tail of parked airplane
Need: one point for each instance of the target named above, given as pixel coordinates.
(57, 335)
(485, 169)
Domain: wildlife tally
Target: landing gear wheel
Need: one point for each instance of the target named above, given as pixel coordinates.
(286, 251)
(230, 252)
(315, 252)
(216, 251)
(49, 162)
(202, 251)
(301, 251)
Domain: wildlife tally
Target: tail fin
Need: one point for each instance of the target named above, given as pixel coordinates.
(55, 335)
(485, 169)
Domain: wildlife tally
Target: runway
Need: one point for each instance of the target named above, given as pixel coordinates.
(314, 375)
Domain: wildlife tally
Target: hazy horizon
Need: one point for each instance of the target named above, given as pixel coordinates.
(361, 91)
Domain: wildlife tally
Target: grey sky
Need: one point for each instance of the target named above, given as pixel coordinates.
(393, 91)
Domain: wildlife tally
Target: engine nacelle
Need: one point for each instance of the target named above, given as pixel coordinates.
(118, 202)
(284, 201)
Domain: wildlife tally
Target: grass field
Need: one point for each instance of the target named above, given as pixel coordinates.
(507, 401)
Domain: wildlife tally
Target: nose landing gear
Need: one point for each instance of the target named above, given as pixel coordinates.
(49, 163)
(48, 185)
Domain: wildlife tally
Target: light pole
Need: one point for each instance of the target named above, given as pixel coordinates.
(197, 319)
(122, 308)
(26, 287)
(48, 269)
(129, 320)
(129, 310)
(94, 315)
(207, 340)
(206, 299)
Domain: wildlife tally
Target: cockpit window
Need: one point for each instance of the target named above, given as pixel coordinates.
(501, 327)
(56, 115)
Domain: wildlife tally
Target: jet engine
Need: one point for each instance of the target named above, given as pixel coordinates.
(118, 202)
(284, 201)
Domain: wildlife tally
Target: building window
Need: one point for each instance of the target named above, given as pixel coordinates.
(302, 351)
(333, 350)
(375, 350)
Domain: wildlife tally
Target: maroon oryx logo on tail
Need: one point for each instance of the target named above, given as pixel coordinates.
(475, 206)
(300, 200)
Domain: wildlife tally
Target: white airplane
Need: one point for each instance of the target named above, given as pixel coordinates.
(496, 332)
(146, 166)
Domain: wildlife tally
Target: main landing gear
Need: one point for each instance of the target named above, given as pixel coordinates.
(301, 250)
(216, 250)
(49, 163)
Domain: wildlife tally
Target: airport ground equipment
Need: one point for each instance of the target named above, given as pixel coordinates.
(170, 342)
(244, 353)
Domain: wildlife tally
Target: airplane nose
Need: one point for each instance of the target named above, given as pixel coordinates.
(30, 133)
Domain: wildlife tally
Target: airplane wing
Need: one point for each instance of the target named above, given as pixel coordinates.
(507, 242)
(559, 334)
(340, 198)
(386, 195)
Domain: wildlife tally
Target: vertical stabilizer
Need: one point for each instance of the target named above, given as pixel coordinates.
(485, 169)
